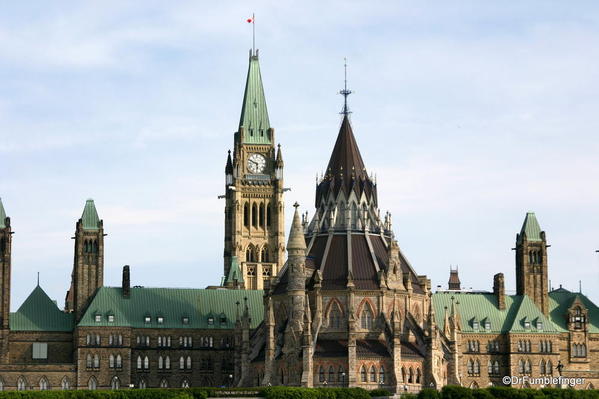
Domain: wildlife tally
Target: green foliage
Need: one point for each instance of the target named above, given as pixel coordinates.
(314, 393)
(456, 392)
(191, 393)
(428, 393)
(482, 394)
(380, 392)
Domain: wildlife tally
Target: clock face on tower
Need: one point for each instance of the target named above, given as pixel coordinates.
(256, 163)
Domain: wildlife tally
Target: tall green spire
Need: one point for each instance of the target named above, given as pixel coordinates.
(2, 215)
(90, 219)
(531, 228)
(254, 115)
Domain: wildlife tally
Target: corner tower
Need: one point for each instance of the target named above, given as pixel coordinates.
(88, 265)
(531, 263)
(254, 209)
(5, 267)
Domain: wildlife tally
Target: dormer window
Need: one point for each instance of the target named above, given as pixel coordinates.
(210, 321)
(223, 320)
(475, 325)
(111, 318)
(487, 325)
(185, 320)
(98, 318)
(147, 319)
(540, 325)
(526, 325)
(160, 319)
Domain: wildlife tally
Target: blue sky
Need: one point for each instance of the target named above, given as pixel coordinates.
(470, 113)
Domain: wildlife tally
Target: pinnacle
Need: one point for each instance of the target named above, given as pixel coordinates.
(296, 235)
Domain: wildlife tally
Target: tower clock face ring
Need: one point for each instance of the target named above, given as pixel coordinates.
(256, 163)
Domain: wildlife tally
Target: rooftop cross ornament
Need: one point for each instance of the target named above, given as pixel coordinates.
(345, 92)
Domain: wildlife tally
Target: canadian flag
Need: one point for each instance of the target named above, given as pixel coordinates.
(250, 20)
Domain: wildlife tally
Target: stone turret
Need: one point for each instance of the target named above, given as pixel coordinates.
(296, 287)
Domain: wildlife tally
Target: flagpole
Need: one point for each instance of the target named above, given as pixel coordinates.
(254, 33)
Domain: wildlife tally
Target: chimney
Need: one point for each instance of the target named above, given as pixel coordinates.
(499, 290)
(126, 282)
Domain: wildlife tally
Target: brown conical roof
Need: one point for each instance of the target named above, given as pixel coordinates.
(346, 170)
(346, 157)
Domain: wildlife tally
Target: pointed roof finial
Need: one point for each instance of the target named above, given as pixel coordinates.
(345, 92)
(38, 279)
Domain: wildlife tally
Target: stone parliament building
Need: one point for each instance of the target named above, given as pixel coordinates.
(336, 304)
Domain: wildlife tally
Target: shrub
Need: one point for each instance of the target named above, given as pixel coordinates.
(380, 392)
(456, 392)
(428, 393)
(482, 394)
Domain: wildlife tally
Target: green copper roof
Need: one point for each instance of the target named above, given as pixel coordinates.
(90, 218)
(40, 313)
(559, 302)
(482, 307)
(200, 306)
(254, 115)
(234, 272)
(2, 215)
(531, 228)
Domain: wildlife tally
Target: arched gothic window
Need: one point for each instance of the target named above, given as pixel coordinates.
(419, 373)
(246, 215)
(335, 316)
(92, 383)
(44, 385)
(268, 215)
(163, 383)
(250, 254)
(181, 363)
(549, 367)
(96, 361)
(261, 218)
(496, 367)
(167, 362)
(189, 362)
(372, 374)
(160, 362)
(185, 384)
(139, 365)
(254, 215)
(331, 374)
(411, 376)
(366, 317)
(21, 384)
(88, 361)
(146, 363)
(64, 384)
(363, 376)
(142, 383)
(115, 383)
(264, 255)
(521, 366)
(542, 367)
(382, 375)
(111, 361)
